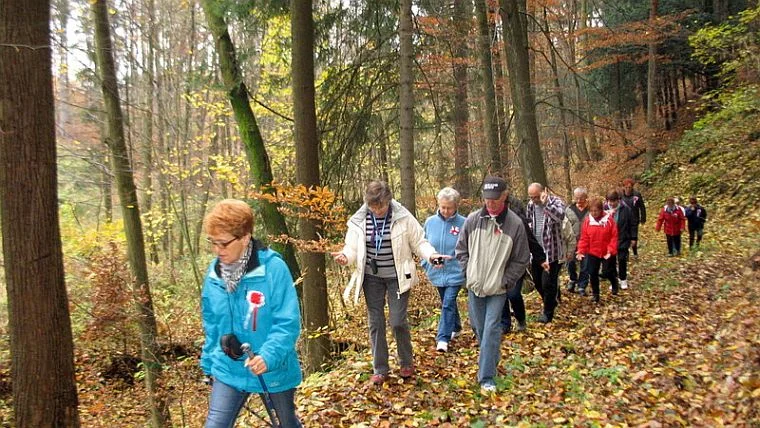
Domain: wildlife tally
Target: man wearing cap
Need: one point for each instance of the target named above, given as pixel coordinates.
(493, 251)
(545, 215)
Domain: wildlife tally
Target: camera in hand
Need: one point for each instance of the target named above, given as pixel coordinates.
(373, 265)
(437, 261)
(231, 346)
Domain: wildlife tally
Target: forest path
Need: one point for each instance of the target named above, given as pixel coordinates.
(679, 347)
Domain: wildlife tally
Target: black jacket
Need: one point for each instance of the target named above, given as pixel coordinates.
(696, 216)
(625, 225)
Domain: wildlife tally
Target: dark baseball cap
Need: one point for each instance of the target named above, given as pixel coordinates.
(493, 187)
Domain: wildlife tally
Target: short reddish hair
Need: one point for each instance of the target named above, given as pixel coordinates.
(628, 181)
(596, 202)
(229, 215)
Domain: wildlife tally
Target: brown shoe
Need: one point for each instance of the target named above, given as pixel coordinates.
(406, 372)
(378, 379)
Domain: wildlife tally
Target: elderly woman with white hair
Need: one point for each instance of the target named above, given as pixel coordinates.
(442, 230)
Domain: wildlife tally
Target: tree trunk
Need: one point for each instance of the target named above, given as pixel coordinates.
(255, 151)
(652, 92)
(491, 123)
(406, 106)
(42, 350)
(590, 147)
(147, 138)
(503, 105)
(561, 106)
(130, 212)
(460, 21)
(516, 50)
(315, 302)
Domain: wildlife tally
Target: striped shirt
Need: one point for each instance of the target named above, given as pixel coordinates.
(538, 228)
(382, 257)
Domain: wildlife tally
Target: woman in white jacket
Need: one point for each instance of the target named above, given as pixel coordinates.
(381, 238)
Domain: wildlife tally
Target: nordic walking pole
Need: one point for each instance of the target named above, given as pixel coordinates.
(265, 397)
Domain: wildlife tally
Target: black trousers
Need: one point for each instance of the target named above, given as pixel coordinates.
(546, 285)
(698, 232)
(608, 271)
(622, 261)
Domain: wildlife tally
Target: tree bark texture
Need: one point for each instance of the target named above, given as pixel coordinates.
(406, 106)
(125, 184)
(461, 19)
(315, 301)
(516, 50)
(258, 160)
(42, 355)
(491, 122)
(652, 91)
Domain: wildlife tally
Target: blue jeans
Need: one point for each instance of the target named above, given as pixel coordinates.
(485, 317)
(514, 299)
(582, 279)
(225, 404)
(450, 321)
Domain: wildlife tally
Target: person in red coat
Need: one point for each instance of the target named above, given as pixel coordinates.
(673, 222)
(599, 246)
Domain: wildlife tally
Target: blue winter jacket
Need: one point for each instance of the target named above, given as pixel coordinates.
(442, 234)
(263, 311)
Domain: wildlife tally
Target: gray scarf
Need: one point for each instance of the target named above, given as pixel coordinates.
(231, 273)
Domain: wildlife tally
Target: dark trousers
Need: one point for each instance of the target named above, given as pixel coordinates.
(608, 271)
(674, 243)
(546, 285)
(581, 279)
(622, 261)
(515, 300)
(698, 232)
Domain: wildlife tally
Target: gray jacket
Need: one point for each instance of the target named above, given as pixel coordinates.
(493, 252)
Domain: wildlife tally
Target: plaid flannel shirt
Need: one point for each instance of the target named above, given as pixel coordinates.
(554, 213)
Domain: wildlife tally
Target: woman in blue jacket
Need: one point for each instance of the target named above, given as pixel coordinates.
(442, 230)
(248, 297)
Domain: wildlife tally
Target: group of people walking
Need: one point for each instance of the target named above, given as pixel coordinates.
(251, 315)
(489, 253)
(673, 220)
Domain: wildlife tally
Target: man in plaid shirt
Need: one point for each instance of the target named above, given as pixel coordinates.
(545, 214)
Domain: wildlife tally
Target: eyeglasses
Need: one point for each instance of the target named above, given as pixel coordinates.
(221, 244)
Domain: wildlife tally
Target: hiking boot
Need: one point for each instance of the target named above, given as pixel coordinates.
(623, 284)
(521, 326)
(596, 298)
(571, 286)
(406, 372)
(378, 379)
(442, 346)
(544, 319)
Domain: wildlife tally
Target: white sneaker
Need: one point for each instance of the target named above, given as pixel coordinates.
(442, 346)
(487, 388)
(623, 284)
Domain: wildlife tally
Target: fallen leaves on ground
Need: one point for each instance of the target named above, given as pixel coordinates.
(680, 347)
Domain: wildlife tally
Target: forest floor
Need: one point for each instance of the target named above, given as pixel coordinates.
(681, 346)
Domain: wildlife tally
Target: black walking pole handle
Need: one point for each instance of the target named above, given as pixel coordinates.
(268, 404)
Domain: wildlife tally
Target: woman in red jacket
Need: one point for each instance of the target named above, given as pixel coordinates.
(673, 221)
(598, 244)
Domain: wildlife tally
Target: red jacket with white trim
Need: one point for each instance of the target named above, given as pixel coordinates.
(598, 237)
